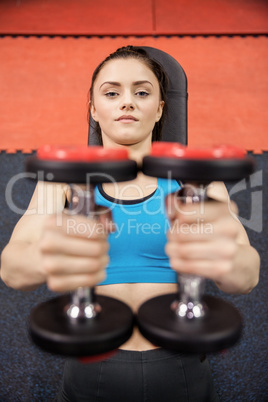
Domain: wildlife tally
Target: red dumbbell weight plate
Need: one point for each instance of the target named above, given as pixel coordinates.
(175, 150)
(175, 161)
(81, 153)
(81, 164)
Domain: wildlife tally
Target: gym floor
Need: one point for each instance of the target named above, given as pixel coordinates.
(48, 52)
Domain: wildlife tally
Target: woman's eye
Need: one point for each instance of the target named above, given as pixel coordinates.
(143, 94)
(111, 94)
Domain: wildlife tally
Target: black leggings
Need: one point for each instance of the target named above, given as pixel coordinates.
(152, 376)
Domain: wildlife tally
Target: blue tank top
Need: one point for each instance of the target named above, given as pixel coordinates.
(137, 247)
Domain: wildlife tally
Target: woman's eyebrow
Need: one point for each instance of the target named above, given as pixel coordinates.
(117, 84)
(142, 82)
(114, 83)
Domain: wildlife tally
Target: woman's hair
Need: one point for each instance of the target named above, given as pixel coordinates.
(137, 53)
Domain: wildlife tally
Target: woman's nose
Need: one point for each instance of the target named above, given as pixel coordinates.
(127, 106)
(127, 103)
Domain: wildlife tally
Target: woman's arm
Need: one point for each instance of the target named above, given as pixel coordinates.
(208, 240)
(21, 261)
(46, 246)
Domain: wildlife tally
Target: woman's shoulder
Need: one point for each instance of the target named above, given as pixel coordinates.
(168, 185)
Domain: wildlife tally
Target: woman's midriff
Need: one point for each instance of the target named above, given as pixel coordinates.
(134, 294)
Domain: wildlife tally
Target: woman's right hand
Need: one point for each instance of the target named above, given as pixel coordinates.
(74, 251)
(49, 245)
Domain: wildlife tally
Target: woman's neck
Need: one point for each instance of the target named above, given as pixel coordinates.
(138, 188)
(136, 151)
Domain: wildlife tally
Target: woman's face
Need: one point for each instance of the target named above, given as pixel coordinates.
(126, 102)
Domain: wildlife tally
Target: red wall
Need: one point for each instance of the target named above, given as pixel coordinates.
(44, 80)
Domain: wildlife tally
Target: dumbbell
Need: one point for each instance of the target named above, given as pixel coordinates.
(189, 321)
(81, 323)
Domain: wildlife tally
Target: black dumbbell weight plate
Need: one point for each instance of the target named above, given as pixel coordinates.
(203, 170)
(54, 331)
(81, 172)
(218, 329)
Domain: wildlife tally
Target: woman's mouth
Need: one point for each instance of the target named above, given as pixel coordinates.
(126, 119)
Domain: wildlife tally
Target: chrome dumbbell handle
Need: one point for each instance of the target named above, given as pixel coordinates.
(83, 301)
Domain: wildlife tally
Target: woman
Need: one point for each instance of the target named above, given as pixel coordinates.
(128, 103)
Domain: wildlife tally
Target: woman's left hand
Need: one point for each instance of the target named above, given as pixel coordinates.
(207, 239)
